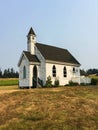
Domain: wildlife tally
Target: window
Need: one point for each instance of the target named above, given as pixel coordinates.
(24, 72)
(64, 72)
(54, 71)
(74, 70)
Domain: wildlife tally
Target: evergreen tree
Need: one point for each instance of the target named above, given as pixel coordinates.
(0, 73)
(5, 73)
(9, 73)
(83, 72)
(16, 74)
(92, 71)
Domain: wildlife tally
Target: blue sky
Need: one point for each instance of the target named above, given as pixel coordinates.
(69, 24)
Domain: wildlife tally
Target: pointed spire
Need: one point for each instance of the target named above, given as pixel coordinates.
(31, 32)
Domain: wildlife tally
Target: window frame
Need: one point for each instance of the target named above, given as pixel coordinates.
(54, 71)
(64, 72)
(74, 70)
(24, 72)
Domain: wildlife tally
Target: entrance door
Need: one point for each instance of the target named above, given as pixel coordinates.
(34, 76)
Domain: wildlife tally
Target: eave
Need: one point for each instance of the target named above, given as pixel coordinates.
(62, 63)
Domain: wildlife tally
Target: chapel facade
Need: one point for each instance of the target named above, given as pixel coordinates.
(41, 60)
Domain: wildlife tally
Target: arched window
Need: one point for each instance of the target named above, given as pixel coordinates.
(74, 70)
(64, 72)
(24, 72)
(54, 71)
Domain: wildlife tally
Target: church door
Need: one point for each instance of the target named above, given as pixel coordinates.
(34, 76)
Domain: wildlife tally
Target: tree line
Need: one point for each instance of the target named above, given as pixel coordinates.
(9, 73)
(89, 72)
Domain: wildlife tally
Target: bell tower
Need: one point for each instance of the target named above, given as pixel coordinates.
(31, 41)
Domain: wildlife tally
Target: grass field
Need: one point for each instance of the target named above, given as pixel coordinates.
(62, 108)
(8, 81)
(93, 76)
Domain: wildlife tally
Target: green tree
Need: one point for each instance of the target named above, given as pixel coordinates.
(56, 82)
(48, 82)
(0, 73)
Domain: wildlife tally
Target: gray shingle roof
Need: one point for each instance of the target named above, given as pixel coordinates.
(31, 58)
(56, 54)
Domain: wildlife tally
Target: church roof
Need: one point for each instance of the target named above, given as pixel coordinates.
(31, 31)
(31, 58)
(56, 54)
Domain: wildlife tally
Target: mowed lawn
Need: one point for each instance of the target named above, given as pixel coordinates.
(8, 81)
(62, 108)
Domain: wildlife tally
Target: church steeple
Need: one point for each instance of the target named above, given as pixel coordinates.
(31, 41)
(31, 32)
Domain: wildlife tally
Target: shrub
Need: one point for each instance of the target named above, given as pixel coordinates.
(56, 83)
(84, 84)
(71, 83)
(93, 81)
(48, 82)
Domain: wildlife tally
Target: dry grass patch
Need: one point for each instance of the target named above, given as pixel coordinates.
(69, 108)
(8, 89)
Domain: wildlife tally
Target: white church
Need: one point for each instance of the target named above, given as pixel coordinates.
(41, 60)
